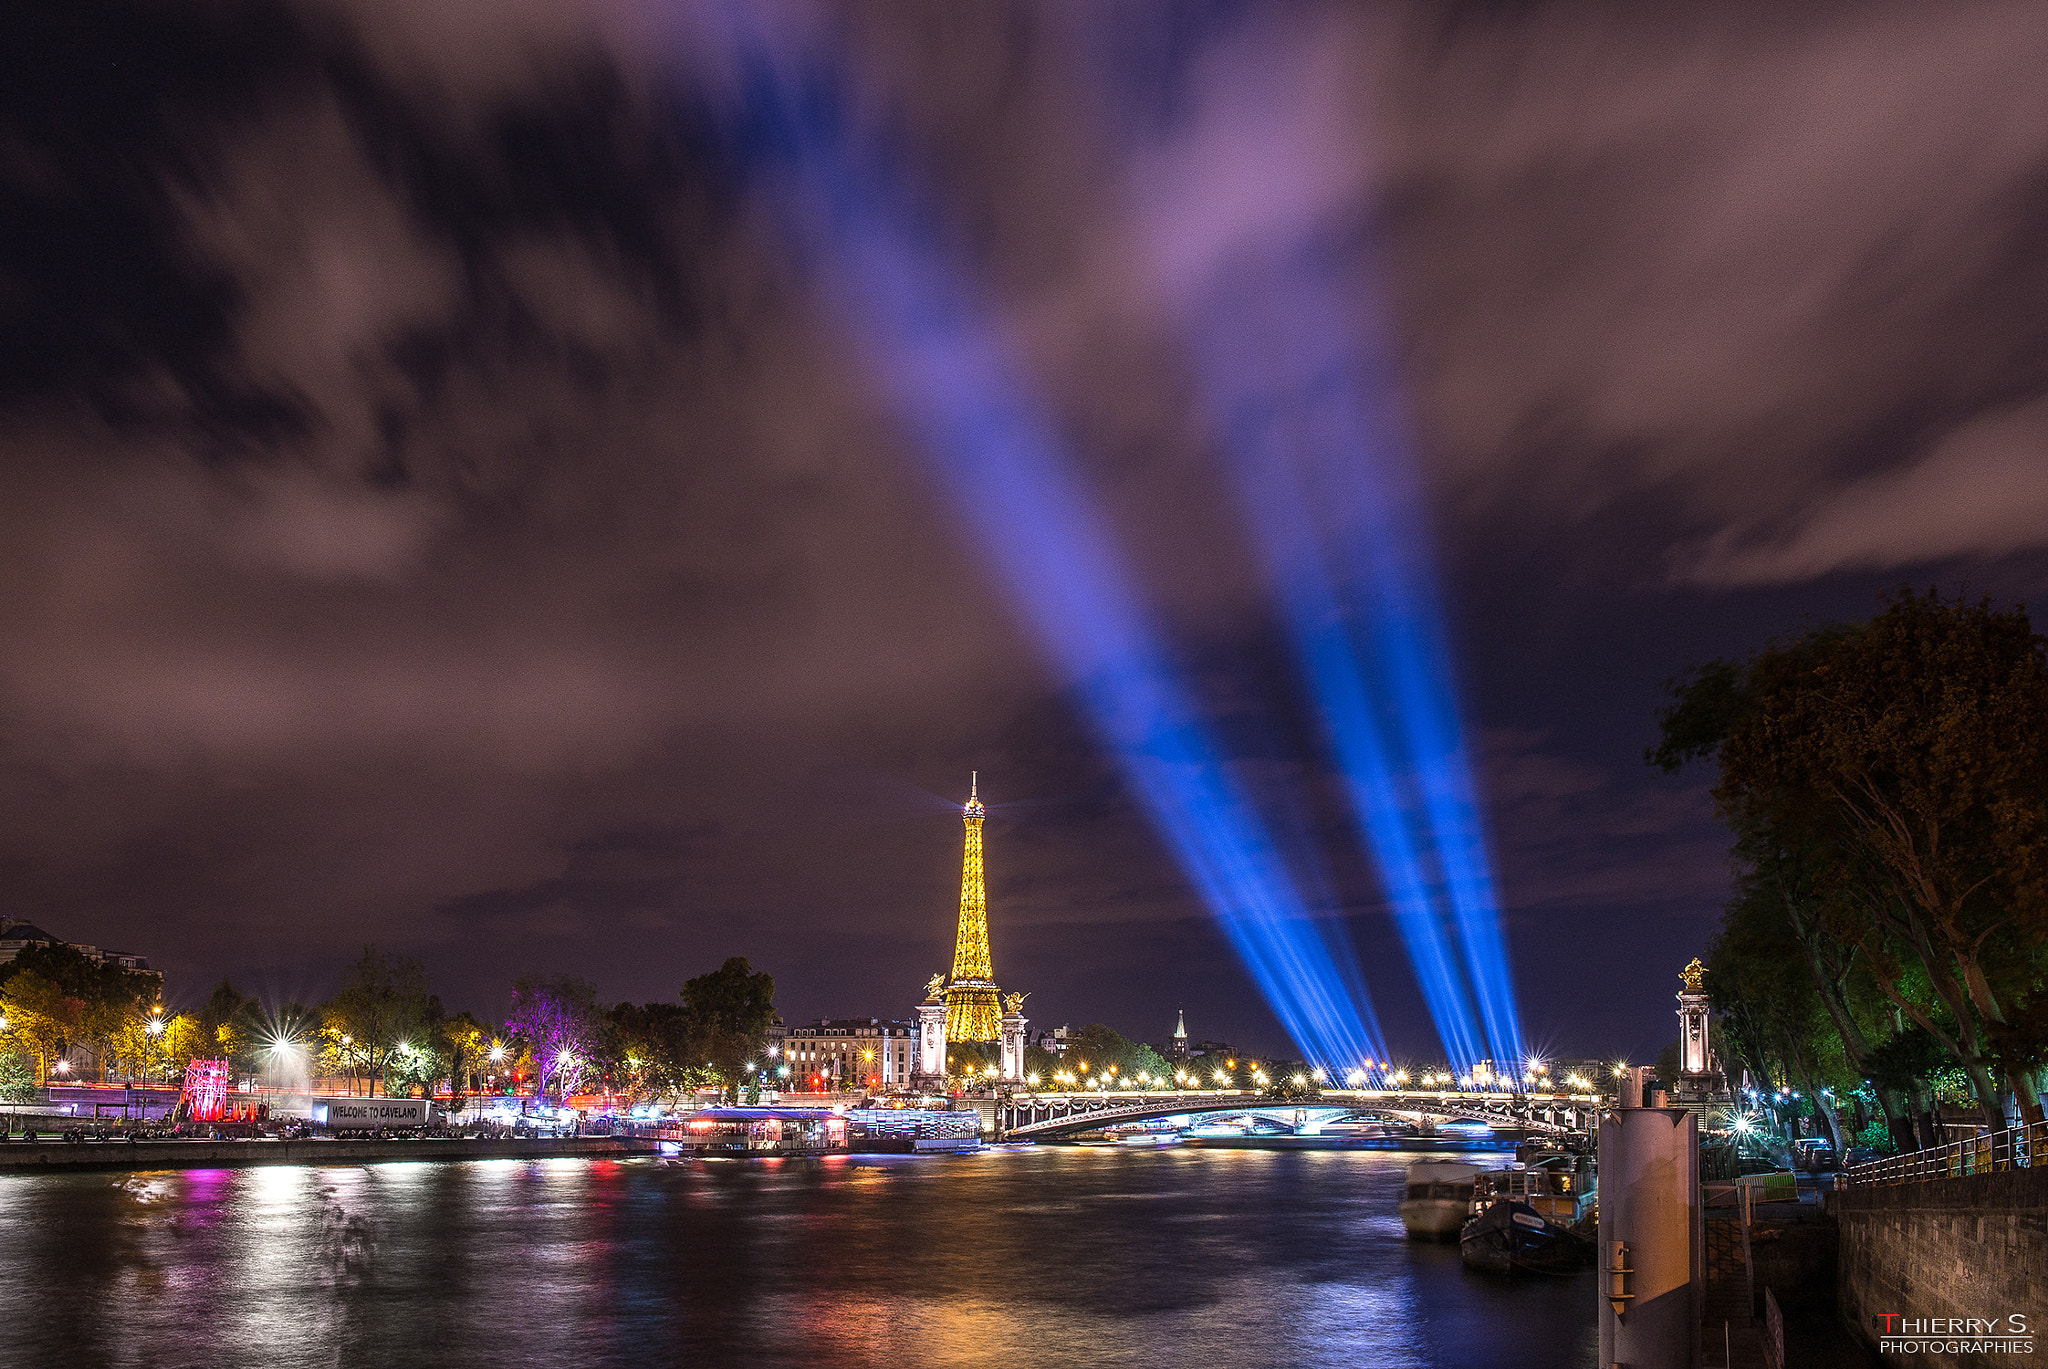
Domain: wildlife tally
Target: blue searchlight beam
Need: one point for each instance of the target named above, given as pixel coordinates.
(1306, 409)
(943, 361)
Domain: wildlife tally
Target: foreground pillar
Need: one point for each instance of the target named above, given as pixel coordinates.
(1650, 1237)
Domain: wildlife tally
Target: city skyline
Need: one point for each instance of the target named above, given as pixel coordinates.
(486, 537)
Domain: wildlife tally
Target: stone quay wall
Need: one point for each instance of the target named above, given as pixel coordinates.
(1967, 1248)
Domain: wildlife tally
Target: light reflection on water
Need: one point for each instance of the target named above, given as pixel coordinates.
(1054, 1256)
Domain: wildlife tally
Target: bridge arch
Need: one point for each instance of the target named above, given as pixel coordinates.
(1044, 1116)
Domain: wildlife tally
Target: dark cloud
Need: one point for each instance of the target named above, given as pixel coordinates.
(438, 507)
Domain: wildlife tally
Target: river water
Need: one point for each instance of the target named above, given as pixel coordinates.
(1014, 1257)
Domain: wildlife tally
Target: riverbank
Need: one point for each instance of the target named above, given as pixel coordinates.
(43, 1157)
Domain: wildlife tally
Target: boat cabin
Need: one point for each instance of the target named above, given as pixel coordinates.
(759, 1132)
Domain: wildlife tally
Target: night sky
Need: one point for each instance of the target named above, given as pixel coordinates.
(439, 507)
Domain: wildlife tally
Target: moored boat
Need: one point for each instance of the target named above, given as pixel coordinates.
(1438, 1199)
(754, 1133)
(1510, 1235)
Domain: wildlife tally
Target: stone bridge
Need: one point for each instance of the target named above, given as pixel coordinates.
(1042, 1115)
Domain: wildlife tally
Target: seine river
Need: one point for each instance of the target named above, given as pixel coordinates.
(1053, 1256)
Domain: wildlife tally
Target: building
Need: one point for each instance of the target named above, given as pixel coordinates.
(17, 935)
(838, 1054)
(1176, 1051)
(1053, 1039)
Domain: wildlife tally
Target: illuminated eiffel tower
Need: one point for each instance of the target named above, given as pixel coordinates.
(973, 1009)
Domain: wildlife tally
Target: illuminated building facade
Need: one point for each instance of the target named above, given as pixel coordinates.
(837, 1054)
(974, 1009)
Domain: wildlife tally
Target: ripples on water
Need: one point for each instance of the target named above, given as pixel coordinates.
(1051, 1256)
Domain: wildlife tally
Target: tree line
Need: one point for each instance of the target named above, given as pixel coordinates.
(383, 1031)
(1886, 783)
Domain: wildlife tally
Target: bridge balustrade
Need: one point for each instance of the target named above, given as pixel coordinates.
(1555, 1112)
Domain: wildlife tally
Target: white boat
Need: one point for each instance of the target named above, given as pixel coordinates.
(1438, 1200)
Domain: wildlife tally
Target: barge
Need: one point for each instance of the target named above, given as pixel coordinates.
(754, 1133)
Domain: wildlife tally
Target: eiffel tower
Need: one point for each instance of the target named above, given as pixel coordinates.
(973, 1009)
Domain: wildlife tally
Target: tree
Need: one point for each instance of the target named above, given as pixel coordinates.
(1108, 1054)
(556, 1019)
(41, 1018)
(184, 1040)
(727, 1014)
(1927, 736)
(1907, 1065)
(985, 1058)
(381, 1004)
(17, 1077)
(1888, 782)
(464, 1043)
(1771, 1011)
(1043, 1064)
(233, 1021)
(1784, 849)
(101, 999)
(650, 1047)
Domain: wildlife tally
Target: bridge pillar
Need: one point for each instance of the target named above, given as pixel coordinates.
(931, 1045)
(1013, 1044)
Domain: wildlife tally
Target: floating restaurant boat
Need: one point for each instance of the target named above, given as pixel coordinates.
(913, 1131)
(755, 1133)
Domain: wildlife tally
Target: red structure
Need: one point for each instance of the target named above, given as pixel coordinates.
(206, 1089)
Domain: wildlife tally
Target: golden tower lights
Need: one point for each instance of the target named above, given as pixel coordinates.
(973, 1003)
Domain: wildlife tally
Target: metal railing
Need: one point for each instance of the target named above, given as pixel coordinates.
(2020, 1147)
(1751, 1191)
